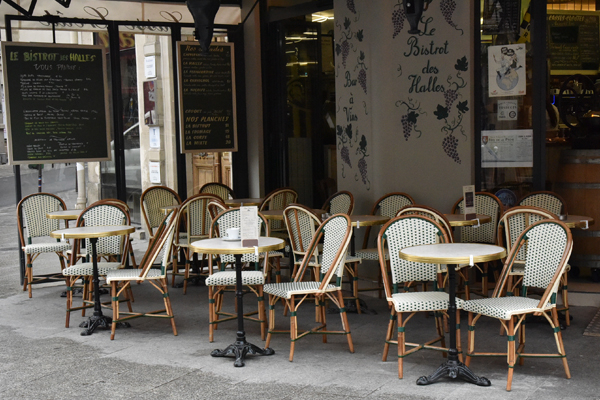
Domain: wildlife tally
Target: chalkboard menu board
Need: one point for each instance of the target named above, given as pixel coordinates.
(207, 98)
(573, 42)
(56, 102)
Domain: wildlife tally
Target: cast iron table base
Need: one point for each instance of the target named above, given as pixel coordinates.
(454, 369)
(240, 347)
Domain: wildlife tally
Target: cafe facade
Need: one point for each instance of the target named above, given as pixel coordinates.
(329, 95)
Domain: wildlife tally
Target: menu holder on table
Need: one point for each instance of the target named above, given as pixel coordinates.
(469, 209)
(249, 226)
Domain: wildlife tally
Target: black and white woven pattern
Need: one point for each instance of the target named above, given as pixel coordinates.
(422, 301)
(34, 210)
(486, 233)
(287, 289)
(390, 205)
(340, 204)
(218, 190)
(407, 232)
(516, 223)
(84, 269)
(231, 219)
(154, 199)
(545, 247)
(104, 215)
(50, 247)
(278, 200)
(503, 307)
(227, 278)
(334, 229)
(301, 228)
(545, 201)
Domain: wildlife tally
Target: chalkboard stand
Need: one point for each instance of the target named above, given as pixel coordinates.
(18, 195)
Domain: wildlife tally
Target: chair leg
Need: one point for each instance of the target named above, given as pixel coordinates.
(186, 275)
(559, 342)
(261, 313)
(401, 346)
(29, 272)
(345, 323)
(389, 336)
(272, 301)
(169, 310)
(115, 308)
(211, 313)
(293, 327)
(511, 352)
(470, 340)
(565, 298)
(69, 284)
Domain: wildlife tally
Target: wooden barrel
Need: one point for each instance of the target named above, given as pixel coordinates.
(578, 182)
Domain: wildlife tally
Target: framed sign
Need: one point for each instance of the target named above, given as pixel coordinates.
(573, 40)
(207, 98)
(56, 103)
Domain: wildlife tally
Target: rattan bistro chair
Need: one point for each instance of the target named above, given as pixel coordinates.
(396, 234)
(387, 206)
(485, 204)
(112, 252)
(218, 189)
(221, 281)
(545, 200)
(33, 224)
(336, 233)
(548, 247)
(152, 200)
(339, 203)
(193, 214)
(278, 199)
(120, 280)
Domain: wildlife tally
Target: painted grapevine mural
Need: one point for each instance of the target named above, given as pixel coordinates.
(435, 91)
(352, 77)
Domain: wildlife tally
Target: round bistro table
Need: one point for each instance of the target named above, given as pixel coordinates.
(254, 201)
(67, 215)
(451, 254)
(459, 220)
(93, 233)
(240, 347)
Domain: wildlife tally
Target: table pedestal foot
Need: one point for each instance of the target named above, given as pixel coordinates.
(239, 349)
(102, 321)
(454, 369)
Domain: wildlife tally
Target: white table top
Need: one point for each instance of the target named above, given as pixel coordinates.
(220, 246)
(89, 232)
(578, 221)
(64, 214)
(453, 253)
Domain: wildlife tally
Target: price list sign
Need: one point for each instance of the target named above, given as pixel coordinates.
(207, 98)
(57, 103)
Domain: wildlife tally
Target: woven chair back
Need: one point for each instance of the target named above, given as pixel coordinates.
(218, 189)
(549, 201)
(160, 247)
(406, 231)
(485, 204)
(32, 210)
(514, 221)
(339, 203)
(278, 199)
(152, 200)
(301, 225)
(105, 214)
(429, 212)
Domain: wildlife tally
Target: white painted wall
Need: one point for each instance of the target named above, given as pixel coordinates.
(416, 164)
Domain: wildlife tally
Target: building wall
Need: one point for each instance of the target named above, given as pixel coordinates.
(404, 112)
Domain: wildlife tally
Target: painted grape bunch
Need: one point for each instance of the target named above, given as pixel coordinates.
(450, 96)
(408, 123)
(362, 167)
(345, 153)
(447, 7)
(351, 6)
(345, 51)
(450, 145)
(398, 17)
(362, 79)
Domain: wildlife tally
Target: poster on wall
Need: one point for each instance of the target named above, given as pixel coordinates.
(506, 70)
(507, 148)
(501, 16)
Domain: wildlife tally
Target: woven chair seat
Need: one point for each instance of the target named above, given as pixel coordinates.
(46, 247)
(370, 254)
(227, 278)
(287, 289)
(422, 301)
(131, 274)
(353, 259)
(276, 254)
(88, 269)
(503, 307)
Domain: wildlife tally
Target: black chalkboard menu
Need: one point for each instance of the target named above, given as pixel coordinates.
(207, 98)
(573, 41)
(56, 103)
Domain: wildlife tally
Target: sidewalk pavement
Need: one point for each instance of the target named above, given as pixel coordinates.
(41, 359)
